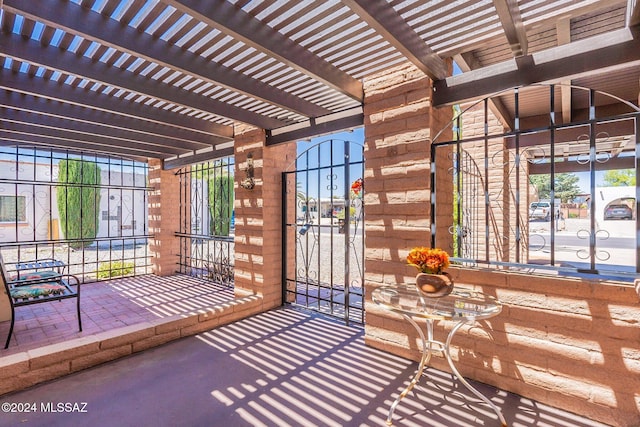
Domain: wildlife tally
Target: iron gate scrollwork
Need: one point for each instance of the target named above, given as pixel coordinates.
(323, 230)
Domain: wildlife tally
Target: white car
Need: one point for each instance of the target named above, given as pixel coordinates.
(541, 210)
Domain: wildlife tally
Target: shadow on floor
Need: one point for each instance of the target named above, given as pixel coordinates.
(280, 368)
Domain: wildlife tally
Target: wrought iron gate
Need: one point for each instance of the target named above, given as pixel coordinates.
(207, 221)
(323, 230)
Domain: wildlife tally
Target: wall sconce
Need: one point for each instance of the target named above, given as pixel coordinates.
(248, 183)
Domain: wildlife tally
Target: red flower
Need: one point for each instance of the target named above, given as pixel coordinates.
(357, 186)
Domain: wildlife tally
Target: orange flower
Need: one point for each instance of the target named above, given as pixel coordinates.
(357, 186)
(428, 260)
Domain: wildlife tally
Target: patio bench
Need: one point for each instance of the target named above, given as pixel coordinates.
(35, 282)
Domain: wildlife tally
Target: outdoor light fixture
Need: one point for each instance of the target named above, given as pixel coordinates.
(248, 183)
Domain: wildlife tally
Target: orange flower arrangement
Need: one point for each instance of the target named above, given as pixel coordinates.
(428, 260)
(357, 186)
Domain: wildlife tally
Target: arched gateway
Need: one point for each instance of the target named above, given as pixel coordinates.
(323, 230)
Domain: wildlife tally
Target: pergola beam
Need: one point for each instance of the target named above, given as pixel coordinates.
(467, 63)
(509, 14)
(191, 159)
(50, 127)
(563, 31)
(185, 126)
(633, 13)
(92, 130)
(620, 48)
(233, 21)
(94, 26)
(12, 137)
(348, 119)
(34, 53)
(71, 116)
(380, 16)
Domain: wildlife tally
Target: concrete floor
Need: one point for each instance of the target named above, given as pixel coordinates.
(280, 368)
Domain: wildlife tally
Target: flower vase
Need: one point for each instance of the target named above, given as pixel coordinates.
(434, 285)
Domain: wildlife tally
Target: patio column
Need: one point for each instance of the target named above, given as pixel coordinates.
(164, 219)
(258, 215)
(399, 125)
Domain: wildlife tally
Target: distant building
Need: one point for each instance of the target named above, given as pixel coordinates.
(29, 209)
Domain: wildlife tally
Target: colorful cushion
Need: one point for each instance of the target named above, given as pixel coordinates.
(36, 275)
(35, 291)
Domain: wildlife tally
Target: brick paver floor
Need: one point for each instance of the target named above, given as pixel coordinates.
(109, 305)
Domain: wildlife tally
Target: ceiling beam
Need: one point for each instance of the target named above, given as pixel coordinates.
(633, 13)
(49, 127)
(570, 134)
(467, 62)
(380, 16)
(344, 120)
(537, 22)
(620, 48)
(108, 32)
(34, 53)
(93, 131)
(563, 31)
(26, 138)
(511, 20)
(103, 123)
(572, 166)
(184, 126)
(233, 21)
(192, 159)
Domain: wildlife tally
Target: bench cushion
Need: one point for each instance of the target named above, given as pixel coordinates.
(36, 275)
(37, 291)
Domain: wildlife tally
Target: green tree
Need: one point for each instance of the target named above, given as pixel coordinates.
(78, 199)
(619, 178)
(221, 199)
(566, 186)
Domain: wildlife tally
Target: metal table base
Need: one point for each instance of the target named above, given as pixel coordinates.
(427, 351)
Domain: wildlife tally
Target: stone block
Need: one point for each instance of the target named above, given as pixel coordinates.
(100, 357)
(155, 341)
(13, 365)
(125, 336)
(56, 353)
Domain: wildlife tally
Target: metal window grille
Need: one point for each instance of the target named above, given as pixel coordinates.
(119, 244)
(207, 220)
(498, 216)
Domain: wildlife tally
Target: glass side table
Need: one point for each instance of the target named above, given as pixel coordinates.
(463, 306)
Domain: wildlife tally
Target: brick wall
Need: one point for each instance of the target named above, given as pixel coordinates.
(164, 219)
(569, 343)
(258, 249)
(398, 127)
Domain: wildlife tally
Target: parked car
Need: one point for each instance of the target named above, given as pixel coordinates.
(618, 212)
(542, 210)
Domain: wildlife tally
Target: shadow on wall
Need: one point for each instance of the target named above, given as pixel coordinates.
(574, 345)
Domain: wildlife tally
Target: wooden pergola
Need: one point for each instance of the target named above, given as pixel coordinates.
(169, 79)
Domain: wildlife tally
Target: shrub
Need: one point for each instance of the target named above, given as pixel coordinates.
(220, 204)
(78, 199)
(115, 269)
